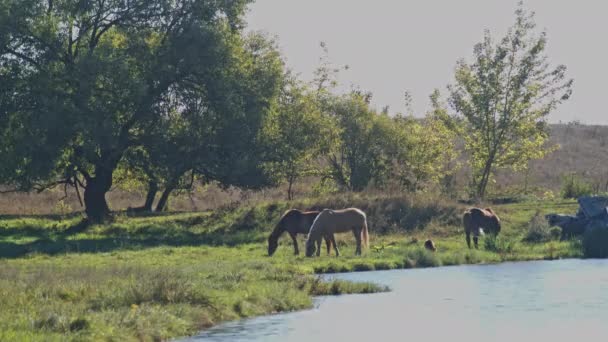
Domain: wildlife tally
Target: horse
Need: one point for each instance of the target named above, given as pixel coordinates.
(294, 222)
(475, 219)
(338, 221)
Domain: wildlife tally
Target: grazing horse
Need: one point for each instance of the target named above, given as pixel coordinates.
(294, 222)
(475, 219)
(337, 221)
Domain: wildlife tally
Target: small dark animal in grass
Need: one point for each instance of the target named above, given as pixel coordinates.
(475, 220)
(330, 222)
(294, 222)
(430, 245)
(570, 225)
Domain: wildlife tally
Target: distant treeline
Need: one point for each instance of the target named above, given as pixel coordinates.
(171, 94)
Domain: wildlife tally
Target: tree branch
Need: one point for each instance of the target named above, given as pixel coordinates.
(23, 57)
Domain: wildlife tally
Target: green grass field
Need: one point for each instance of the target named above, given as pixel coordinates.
(156, 277)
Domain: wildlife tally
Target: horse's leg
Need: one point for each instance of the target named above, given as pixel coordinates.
(319, 245)
(468, 239)
(328, 244)
(357, 233)
(296, 250)
(475, 238)
(333, 241)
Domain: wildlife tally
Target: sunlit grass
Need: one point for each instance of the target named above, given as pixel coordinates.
(161, 276)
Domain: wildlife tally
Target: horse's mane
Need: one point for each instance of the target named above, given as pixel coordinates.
(279, 228)
(490, 211)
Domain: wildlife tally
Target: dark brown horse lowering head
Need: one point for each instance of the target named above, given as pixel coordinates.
(475, 220)
(293, 222)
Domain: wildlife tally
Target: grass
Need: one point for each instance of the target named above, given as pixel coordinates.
(161, 276)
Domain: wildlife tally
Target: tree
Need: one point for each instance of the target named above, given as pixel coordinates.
(363, 147)
(88, 81)
(296, 133)
(194, 142)
(427, 155)
(505, 96)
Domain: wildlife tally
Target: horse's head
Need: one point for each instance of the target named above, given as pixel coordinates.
(497, 226)
(310, 247)
(493, 221)
(273, 243)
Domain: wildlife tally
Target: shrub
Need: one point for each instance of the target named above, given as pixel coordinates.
(539, 230)
(595, 240)
(574, 187)
(555, 232)
(421, 258)
(498, 244)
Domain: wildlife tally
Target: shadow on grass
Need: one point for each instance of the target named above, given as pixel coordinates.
(63, 244)
(63, 237)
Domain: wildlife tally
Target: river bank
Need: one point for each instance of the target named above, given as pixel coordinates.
(157, 277)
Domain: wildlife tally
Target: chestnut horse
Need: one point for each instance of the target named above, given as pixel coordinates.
(337, 221)
(294, 222)
(475, 220)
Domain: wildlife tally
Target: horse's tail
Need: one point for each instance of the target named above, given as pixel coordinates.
(365, 234)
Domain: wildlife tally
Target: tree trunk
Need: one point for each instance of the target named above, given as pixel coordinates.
(483, 183)
(164, 198)
(289, 189)
(150, 196)
(96, 206)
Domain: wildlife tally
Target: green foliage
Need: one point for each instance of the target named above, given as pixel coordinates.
(365, 145)
(296, 132)
(88, 83)
(573, 186)
(427, 153)
(504, 97)
(498, 244)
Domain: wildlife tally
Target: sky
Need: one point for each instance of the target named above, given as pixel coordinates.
(393, 46)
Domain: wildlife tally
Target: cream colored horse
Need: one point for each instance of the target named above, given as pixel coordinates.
(330, 221)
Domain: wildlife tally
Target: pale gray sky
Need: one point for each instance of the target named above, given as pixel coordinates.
(397, 45)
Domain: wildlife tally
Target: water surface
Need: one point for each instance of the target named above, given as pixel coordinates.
(530, 301)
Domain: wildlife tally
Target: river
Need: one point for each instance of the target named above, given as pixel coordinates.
(525, 301)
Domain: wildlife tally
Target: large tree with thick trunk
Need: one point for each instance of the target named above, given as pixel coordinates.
(85, 81)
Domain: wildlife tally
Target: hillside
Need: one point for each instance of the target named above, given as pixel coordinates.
(582, 151)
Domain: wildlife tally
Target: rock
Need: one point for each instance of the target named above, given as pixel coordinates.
(595, 239)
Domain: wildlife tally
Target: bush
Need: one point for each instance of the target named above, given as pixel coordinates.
(421, 258)
(595, 240)
(539, 230)
(574, 187)
(497, 244)
(555, 232)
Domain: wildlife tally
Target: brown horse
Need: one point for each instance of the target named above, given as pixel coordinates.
(475, 219)
(294, 222)
(338, 221)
